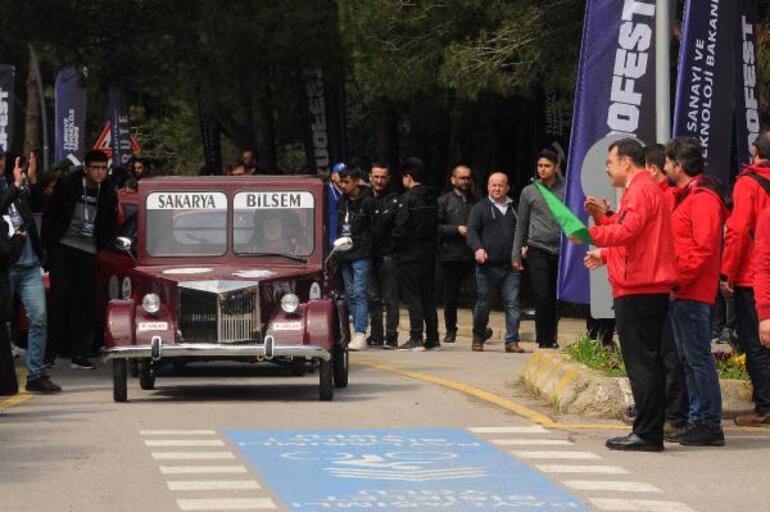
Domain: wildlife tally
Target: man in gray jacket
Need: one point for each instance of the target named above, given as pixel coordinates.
(538, 238)
(454, 254)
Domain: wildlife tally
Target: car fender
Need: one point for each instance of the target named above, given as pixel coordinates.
(147, 326)
(312, 324)
(120, 323)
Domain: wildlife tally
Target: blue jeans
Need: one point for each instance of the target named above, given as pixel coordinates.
(691, 322)
(506, 279)
(757, 356)
(355, 274)
(27, 283)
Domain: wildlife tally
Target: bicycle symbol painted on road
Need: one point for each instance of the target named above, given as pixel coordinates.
(396, 466)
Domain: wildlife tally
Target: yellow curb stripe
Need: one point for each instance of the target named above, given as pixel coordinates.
(23, 396)
(532, 360)
(553, 371)
(510, 405)
(568, 376)
(466, 389)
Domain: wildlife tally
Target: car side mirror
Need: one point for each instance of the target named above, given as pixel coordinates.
(343, 244)
(123, 243)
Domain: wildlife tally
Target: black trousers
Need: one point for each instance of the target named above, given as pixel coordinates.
(640, 320)
(601, 329)
(543, 269)
(757, 356)
(72, 274)
(456, 274)
(416, 285)
(382, 289)
(8, 383)
(677, 401)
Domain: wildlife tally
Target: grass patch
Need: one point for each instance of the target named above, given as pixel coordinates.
(609, 361)
(595, 355)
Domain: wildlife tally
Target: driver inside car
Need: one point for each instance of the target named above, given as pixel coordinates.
(277, 231)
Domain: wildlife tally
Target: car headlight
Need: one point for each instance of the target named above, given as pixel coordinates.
(151, 303)
(290, 303)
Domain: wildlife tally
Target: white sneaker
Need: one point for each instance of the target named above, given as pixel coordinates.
(358, 342)
(17, 351)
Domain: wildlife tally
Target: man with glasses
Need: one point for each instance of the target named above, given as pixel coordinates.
(454, 254)
(636, 244)
(81, 218)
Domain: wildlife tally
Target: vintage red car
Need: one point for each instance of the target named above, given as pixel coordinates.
(224, 268)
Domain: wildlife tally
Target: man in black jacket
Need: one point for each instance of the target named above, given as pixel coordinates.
(455, 256)
(382, 287)
(354, 216)
(414, 237)
(491, 228)
(24, 269)
(81, 219)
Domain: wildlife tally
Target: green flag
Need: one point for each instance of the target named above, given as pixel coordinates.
(569, 222)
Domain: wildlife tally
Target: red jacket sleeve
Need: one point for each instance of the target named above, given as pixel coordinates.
(762, 266)
(706, 218)
(737, 237)
(627, 224)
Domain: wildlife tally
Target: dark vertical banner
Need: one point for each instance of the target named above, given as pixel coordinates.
(326, 109)
(746, 101)
(70, 113)
(704, 86)
(212, 144)
(7, 98)
(614, 95)
(120, 136)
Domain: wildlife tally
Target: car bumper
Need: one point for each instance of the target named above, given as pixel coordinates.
(157, 350)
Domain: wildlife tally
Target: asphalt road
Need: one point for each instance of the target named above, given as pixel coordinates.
(413, 431)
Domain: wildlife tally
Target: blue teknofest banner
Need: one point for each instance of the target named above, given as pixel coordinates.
(704, 86)
(615, 94)
(747, 123)
(70, 112)
(120, 137)
(7, 97)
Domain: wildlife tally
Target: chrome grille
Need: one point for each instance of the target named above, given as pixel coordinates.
(206, 315)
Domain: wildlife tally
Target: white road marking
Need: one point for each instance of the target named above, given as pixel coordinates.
(607, 470)
(555, 455)
(640, 505)
(191, 455)
(532, 442)
(610, 485)
(184, 442)
(177, 432)
(192, 470)
(534, 429)
(227, 504)
(211, 485)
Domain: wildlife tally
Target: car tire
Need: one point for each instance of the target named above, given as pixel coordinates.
(147, 373)
(325, 381)
(119, 380)
(340, 365)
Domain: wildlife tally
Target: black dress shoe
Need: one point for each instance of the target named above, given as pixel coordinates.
(451, 336)
(633, 442)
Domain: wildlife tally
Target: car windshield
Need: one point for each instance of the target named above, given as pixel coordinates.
(274, 222)
(186, 224)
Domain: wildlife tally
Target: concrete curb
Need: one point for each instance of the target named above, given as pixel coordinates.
(573, 388)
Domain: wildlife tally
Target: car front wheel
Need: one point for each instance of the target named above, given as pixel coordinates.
(340, 363)
(119, 380)
(325, 380)
(148, 370)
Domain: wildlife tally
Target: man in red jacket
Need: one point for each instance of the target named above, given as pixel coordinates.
(697, 220)
(750, 198)
(637, 247)
(762, 277)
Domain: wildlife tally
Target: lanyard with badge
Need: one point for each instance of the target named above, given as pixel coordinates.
(87, 228)
(346, 229)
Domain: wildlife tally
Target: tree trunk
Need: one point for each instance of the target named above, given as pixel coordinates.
(32, 114)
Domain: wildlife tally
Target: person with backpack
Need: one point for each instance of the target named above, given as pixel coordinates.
(751, 195)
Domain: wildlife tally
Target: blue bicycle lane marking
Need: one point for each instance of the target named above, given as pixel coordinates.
(396, 469)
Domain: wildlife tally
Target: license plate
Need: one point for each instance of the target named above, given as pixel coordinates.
(287, 326)
(152, 326)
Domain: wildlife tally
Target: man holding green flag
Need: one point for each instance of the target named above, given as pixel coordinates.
(538, 241)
